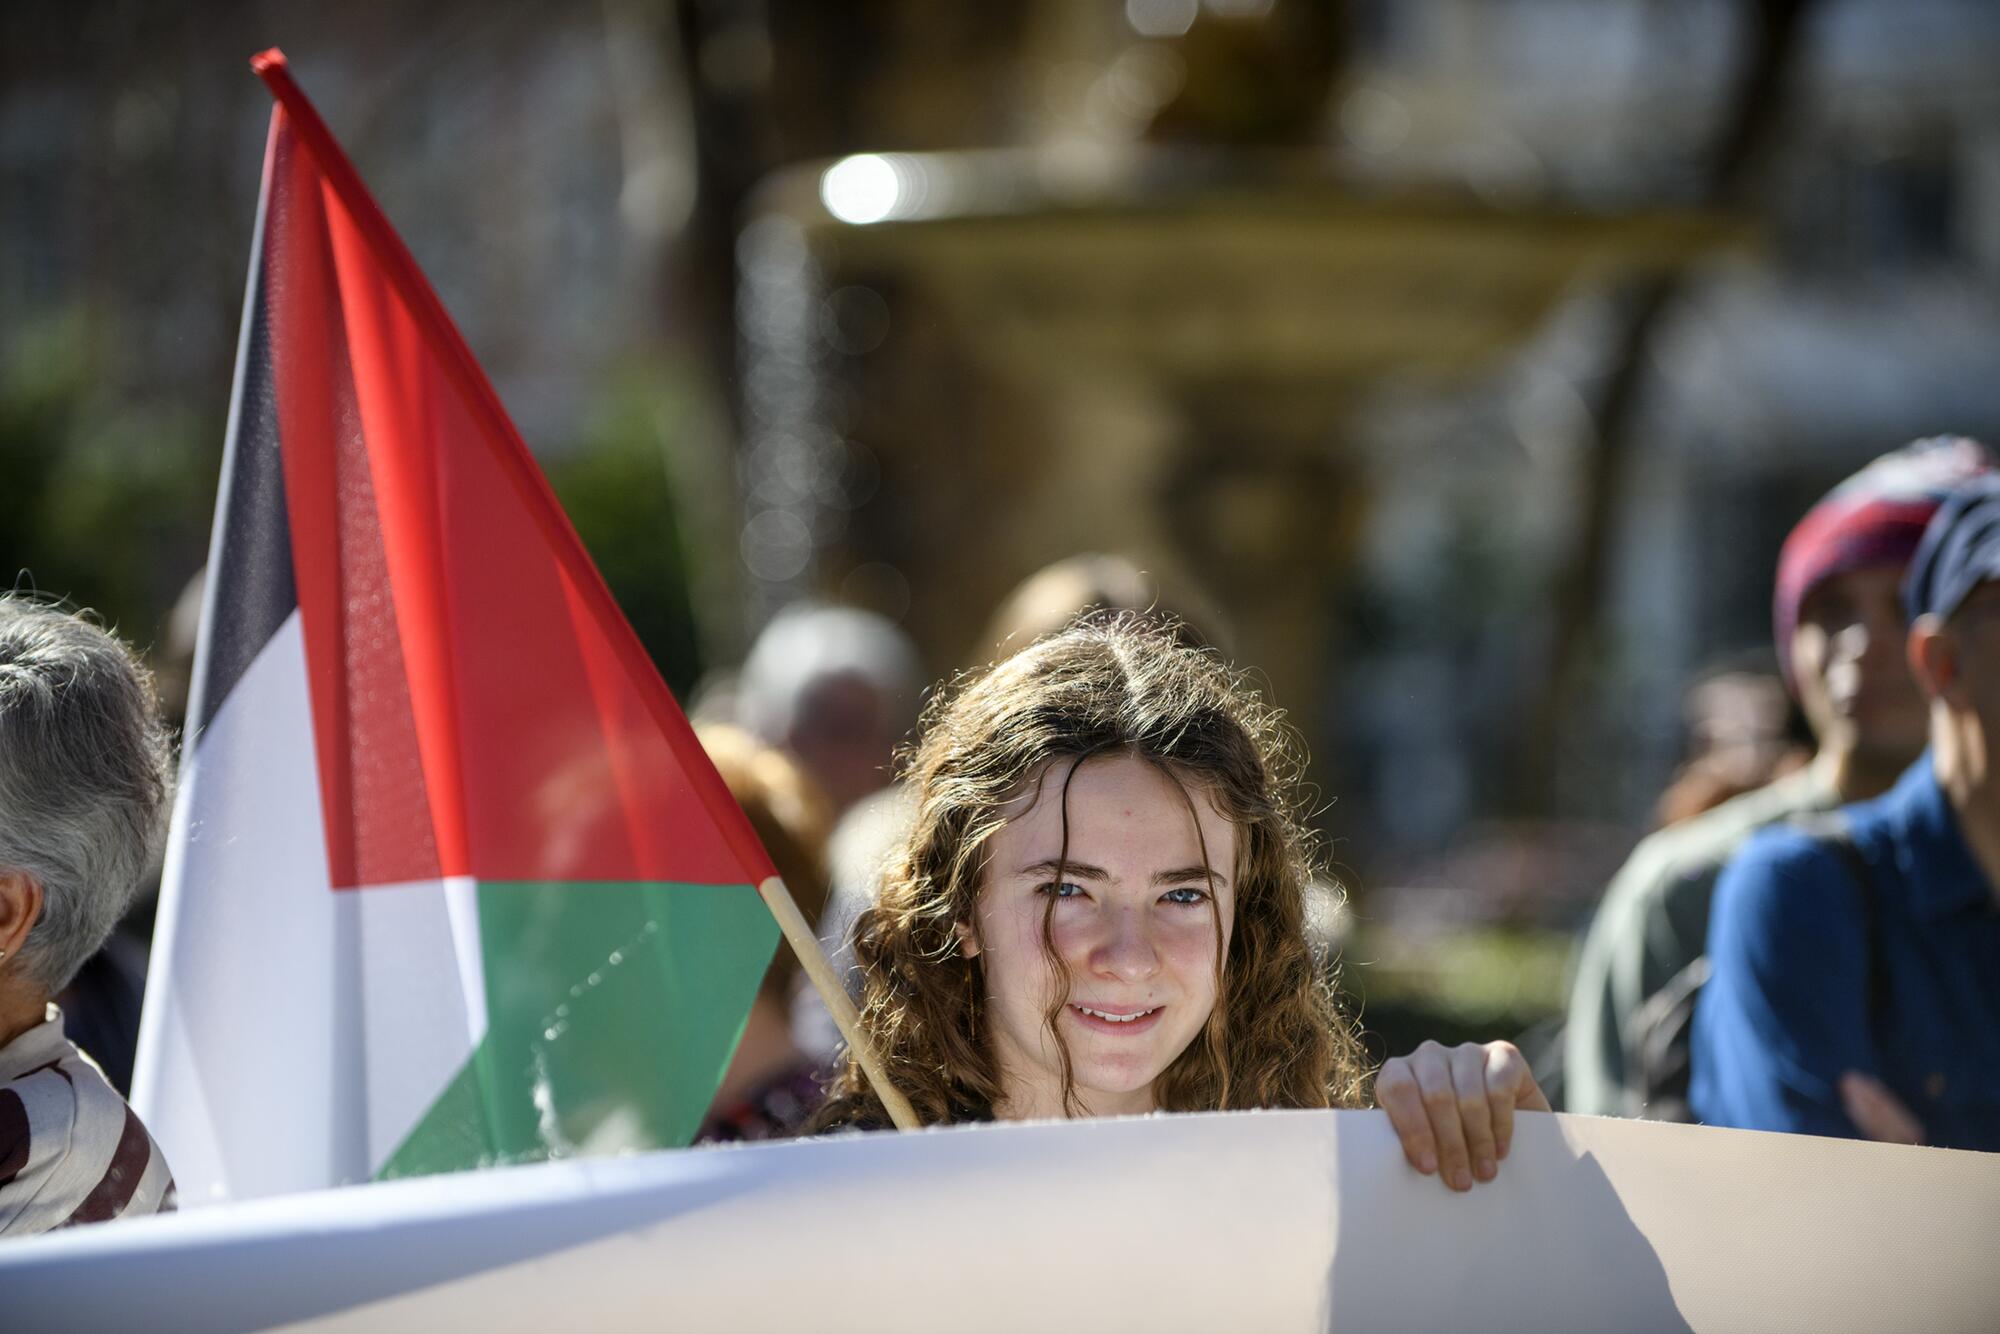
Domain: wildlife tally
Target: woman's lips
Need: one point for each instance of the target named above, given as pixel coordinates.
(1143, 1017)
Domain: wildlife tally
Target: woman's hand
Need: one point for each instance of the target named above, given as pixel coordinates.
(1453, 1108)
(1878, 1113)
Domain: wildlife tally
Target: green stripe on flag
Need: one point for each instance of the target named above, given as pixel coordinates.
(612, 1012)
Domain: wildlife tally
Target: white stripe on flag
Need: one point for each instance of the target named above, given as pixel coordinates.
(461, 898)
(293, 1036)
(417, 1030)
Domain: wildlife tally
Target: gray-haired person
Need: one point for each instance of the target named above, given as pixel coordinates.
(837, 687)
(84, 785)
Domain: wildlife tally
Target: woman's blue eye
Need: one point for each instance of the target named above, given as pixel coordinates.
(1188, 895)
(1065, 890)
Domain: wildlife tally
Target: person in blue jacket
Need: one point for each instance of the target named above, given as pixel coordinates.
(1856, 967)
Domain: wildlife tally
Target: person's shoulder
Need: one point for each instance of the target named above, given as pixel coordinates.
(39, 1112)
(97, 1102)
(1789, 845)
(73, 1151)
(1784, 873)
(45, 1099)
(1714, 837)
(1694, 851)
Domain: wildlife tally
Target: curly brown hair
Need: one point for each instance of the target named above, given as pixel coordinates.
(1121, 685)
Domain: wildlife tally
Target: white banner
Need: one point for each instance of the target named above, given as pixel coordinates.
(1263, 1222)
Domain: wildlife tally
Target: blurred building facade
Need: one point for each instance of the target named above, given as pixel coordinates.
(1313, 304)
(1376, 451)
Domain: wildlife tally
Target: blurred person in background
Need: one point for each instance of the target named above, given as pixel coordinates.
(773, 1081)
(1054, 596)
(84, 785)
(837, 687)
(1744, 731)
(1856, 960)
(1839, 635)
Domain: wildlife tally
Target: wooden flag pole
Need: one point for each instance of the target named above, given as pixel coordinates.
(799, 934)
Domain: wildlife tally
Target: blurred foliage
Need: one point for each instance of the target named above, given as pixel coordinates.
(1459, 986)
(108, 503)
(105, 503)
(617, 487)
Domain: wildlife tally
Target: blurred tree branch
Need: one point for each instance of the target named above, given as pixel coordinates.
(1772, 46)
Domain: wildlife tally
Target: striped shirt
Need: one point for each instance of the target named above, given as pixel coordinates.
(71, 1151)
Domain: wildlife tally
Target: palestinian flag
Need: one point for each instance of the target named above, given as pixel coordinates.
(450, 881)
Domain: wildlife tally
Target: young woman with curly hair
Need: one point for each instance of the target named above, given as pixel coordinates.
(1101, 910)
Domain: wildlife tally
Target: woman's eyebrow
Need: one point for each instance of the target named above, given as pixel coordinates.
(1187, 873)
(1052, 866)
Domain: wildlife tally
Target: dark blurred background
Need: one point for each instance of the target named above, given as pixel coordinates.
(1472, 356)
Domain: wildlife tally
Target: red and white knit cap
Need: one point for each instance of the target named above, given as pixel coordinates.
(1874, 518)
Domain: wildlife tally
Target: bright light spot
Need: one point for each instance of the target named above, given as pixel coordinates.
(777, 546)
(861, 189)
(1161, 18)
(1551, 420)
(548, 1120)
(1374, 121)
(1144, 79)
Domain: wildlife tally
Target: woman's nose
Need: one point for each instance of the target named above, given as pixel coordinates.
(1127, 950)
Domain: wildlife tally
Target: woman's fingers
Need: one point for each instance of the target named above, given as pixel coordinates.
(1878, 1113)
(1510, 1084)
(1396, 1093)
(1431, 1064)
(1453, 1109)
(1476, 1108)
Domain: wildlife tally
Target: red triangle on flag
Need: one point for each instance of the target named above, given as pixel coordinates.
(482, 707)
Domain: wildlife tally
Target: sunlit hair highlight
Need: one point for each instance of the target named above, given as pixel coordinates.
(1117, 686)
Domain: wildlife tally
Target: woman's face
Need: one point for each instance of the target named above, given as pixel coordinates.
(1133, 924)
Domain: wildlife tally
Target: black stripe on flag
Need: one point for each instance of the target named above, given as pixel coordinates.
(251, 590)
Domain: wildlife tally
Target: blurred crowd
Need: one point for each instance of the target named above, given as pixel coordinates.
(807, 734)
(1807, 943)
(1806, 938)
(1810, 942)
